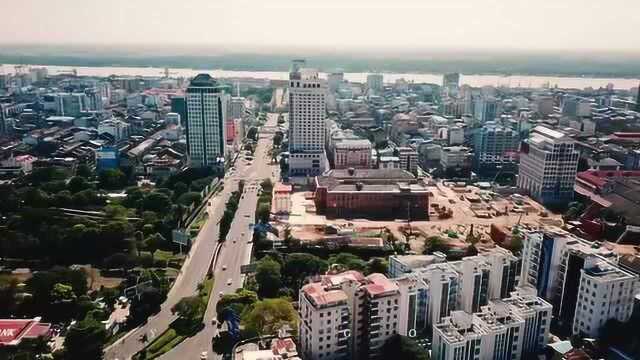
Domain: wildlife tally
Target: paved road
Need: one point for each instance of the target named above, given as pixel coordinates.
(201, 255)
(236, 250)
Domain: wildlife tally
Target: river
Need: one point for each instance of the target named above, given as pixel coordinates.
(472, 80)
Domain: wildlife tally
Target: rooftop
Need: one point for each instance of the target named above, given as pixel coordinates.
(12, 331)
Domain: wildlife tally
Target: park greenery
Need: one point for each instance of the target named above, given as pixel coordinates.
(53, 218)
(190, 311)
(230, 212)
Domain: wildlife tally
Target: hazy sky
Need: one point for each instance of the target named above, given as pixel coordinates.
(332, 24)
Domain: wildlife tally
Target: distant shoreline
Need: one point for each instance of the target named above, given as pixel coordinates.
(500, 66)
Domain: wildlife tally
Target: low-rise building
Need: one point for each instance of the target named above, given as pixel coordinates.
(352, 153)
(371, 193)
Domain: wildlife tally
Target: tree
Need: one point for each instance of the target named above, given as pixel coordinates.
(268, 277)
(264, 212)
(147, 304)
(85, 340)
(62, 293)
(402, 347)
(269, 315)
(156, 201)
(119, 261)
(189, 198)
(112, 179)
(435, 243)
(84, 171)
(299, 266)
(78, 183)
(179, 188)
(189, 308)
(116, 211)
(347, 261)
(237, 302)
(154, 242)
(377, 265)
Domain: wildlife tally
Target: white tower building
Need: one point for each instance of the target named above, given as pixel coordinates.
(307, 113)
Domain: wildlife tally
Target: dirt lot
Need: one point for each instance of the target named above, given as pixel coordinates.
(468, 206)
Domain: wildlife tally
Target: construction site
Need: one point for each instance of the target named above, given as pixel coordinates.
(456, 211)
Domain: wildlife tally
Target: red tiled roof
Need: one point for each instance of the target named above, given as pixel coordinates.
(599, 178)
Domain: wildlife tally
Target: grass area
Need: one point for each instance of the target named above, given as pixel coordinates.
(195, 227)
(178, 331)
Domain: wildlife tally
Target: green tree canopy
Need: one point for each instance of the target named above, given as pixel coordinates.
(402, 347)
(190, 308)
(269, 315)
(436, 243)
(377, 265)
(157, 202)
(112, 179)
(348, 261)
(85, 340)
(298, 266)
(268, 277)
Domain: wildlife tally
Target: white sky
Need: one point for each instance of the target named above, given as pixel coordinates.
(332, 24)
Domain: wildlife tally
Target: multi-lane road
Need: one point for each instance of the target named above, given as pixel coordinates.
(233, 253)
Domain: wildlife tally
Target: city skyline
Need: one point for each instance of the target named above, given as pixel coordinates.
(406, 25)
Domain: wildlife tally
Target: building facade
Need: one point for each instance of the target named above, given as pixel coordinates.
(548, 166)
(495, 147)
(206, 125)
(371, 193)
(307, 113)
(347, 315)
(355, 153)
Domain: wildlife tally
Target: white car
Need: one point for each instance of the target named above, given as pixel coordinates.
(230, 281)
(203, 355)
(224, 267)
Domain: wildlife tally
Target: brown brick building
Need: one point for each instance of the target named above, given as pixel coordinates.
(372, 194)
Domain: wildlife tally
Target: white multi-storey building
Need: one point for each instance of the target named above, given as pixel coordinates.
(307, 113)
(206, 125)
(605, 292)
(347, 315)
(509, 329)
(548, 166)
(583, 282)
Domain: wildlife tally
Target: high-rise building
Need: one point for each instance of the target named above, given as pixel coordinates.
(495, 147)
(179, 106)
(451, 83)
(334, 80)
(347, 315)
(206, 114)
(375, 83)
(582, 281)
(485, 108)
(548, 166)
(307, 113)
